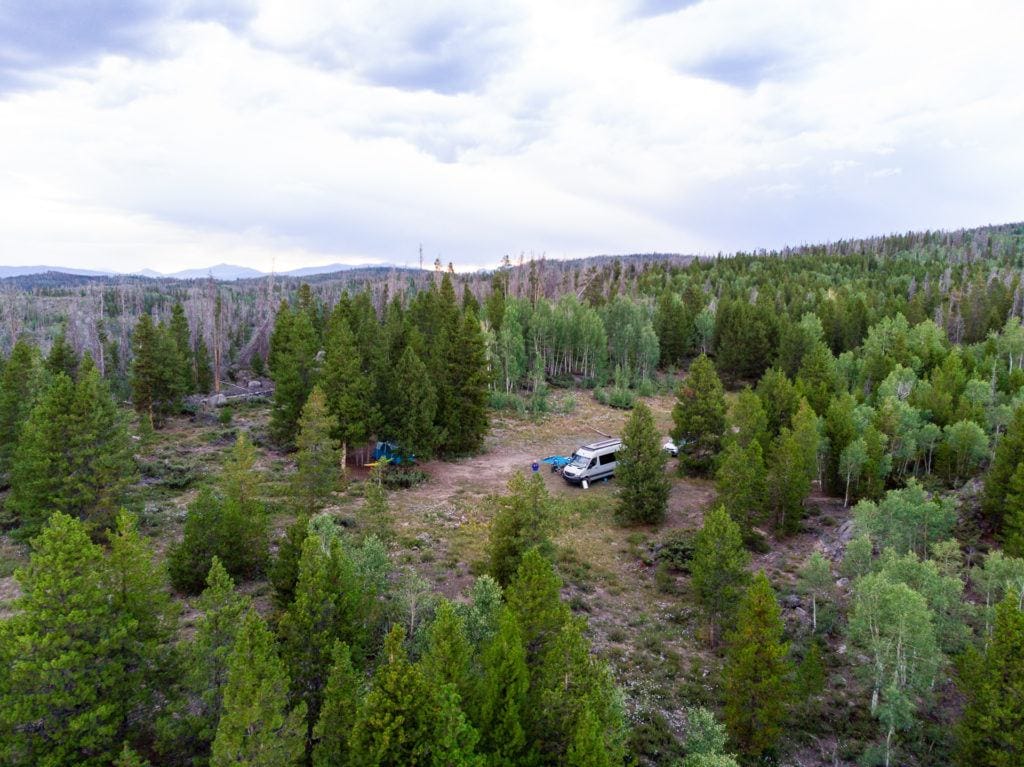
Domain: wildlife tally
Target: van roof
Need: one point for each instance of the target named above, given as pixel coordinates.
(606, 443)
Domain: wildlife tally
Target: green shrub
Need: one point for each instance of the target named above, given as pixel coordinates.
(235, 532)
(399, 477)
(676, 550)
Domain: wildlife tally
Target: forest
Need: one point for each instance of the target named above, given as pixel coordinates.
(830, 572)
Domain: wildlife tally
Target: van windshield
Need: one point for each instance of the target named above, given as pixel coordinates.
(580, 461)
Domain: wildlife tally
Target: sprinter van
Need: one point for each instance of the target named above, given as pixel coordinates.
(593, 462)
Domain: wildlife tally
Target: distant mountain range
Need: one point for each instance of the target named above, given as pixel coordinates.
(226, 272)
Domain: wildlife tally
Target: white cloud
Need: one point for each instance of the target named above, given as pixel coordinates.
(319, 132)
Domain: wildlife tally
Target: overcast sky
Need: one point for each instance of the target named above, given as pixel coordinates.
(280, 133)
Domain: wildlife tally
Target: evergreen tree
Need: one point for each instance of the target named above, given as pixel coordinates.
(521, 523)
(643, 486)
(588, 748)
(410, 421)
(157, 385)
(19, 385)
(137, 587)
(204, 368)
(466, 422)
(501, 703)
(779, 397)
(232, 527)
(991, 730)
(64, 682)
(748, 420)
(73, 455)
(1013, 513)
(1007, 456)
(448, 654)
(331, 604)
(719, 568)
(293, 366)
(316, 463)
(284, 573)
(534, 597)
(406, 720)
(255, 728)
(840, 431)
(741, 484)
(338, 714)
(699, 416)
(182, 337)
(789, 480)
(755, 677)
(130, 758)
(570, 682)
(348, 387)
(62, 357)
(189, 727)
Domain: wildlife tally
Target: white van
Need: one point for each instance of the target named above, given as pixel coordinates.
(593, 462)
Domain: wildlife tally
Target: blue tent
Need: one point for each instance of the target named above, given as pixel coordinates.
(392, 453)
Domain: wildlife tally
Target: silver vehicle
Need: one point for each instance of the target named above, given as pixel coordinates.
(593, 462)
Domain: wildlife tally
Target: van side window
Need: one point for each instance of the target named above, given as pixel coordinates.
(606, 459)
(592, 464)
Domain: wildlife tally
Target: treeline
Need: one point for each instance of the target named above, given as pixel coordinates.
(417, 376)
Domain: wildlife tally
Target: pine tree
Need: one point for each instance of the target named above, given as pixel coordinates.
(643, 486)
(64, 680)
(448, 654)
(466, 421)
(189, 727)
(284, 573)
(19, 386)
(748, 421)
(137, 586)
(699, 416)
(338, 714)
(157, 385)
(182, 337)
(73, 455)
(535, 599)
(755, 677)
(204, 369)
(588, 748)
(62, 357)
(293, 366)
(719, 568)
(405, 720)
(1013, 513)
(129, 758)
(741, 484)
(501, 703)
(1007, 456)
(347, 386)
(316, 463)
(521, 523)
(232, 526)
(255, 728)
(570, 681)
(991, 731)
(410, 421)
(330, 605)
(789, 480)
(840, 431)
